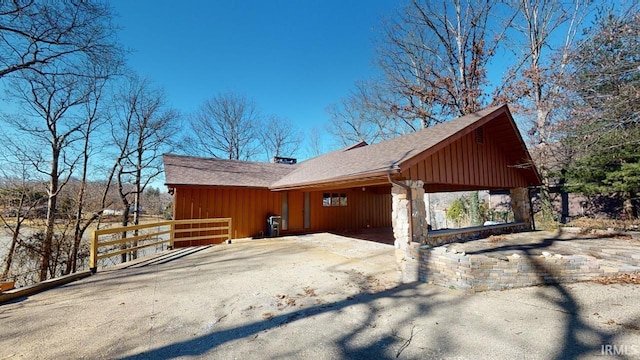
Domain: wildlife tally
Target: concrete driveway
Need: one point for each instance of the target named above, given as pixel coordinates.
(317, 296)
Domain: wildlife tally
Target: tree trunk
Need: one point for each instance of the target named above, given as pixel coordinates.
(629, 206)
(12, 248)
(15, 234)
(125, 223)
(51, 215)
(138, 192)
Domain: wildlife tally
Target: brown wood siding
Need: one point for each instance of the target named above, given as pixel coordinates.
(467, 164)
(370, 208)
(248, 208)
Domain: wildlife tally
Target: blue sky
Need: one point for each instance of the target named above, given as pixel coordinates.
(294, 58)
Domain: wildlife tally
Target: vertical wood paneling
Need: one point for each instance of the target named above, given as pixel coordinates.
(247, 207)
(503, 167)
(428, 168)
(460, 163)
(455, 164)
(500, 171)
(482, 154)
(473, 152)
(465, 162)
(436, 168)
(364, 208)
(504, 172)
(242, 209)
(470, 159)
(445, 163)
(191, 203)
(422, 174)
(492, 164)
(442, 162)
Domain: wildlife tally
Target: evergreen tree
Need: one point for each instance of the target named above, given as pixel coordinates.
(605, 136)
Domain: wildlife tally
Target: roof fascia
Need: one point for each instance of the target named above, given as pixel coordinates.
(369, 178)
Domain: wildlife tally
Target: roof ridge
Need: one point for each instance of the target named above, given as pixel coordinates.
(228, 160)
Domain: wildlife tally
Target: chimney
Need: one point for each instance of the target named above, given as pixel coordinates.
(283, 160)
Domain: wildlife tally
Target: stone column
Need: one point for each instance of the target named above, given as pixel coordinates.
(521, 206)
(407, 246)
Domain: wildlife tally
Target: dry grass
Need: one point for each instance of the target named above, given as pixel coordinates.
(589, 223)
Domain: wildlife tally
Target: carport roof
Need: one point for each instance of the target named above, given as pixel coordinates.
(393, 156)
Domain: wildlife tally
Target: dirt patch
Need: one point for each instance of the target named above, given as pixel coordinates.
(496, 238)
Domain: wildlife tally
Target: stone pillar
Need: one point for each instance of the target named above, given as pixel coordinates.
(407, 246)
(521, 206)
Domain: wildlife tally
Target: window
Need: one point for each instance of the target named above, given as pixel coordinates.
(334, 199)
(326, 199)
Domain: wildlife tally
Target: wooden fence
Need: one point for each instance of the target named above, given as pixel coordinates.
(111, 242)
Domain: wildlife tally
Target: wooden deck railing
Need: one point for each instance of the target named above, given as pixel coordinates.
(111, 242)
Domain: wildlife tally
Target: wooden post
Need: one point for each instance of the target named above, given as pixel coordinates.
(93, 257)
(172, 234)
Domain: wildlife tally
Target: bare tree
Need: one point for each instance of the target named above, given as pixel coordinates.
(532, 84)
(314, 143)
(434, 58)
(226, 126)
(40, 36)
(142, 126)
(46, 134)
(365, 115)
(279, 137)
(94, 119)
(47, 48)
(19, 199)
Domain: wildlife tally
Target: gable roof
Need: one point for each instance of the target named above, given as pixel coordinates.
(352, 165)
(191, 170)
(391, 156)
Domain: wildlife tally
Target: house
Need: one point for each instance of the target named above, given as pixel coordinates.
(361, 186)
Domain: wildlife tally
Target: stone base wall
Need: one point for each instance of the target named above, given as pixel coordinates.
(408, 261)
(445, 267)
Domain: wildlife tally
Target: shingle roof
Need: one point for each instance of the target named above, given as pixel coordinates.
(349, 164)
(190, 170)
(375, 159)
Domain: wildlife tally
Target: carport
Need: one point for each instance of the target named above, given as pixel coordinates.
(479, 151)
